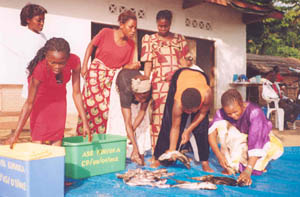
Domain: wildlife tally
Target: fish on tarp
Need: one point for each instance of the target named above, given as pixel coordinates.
(194, 185)
(218, 180)
(176, 155)
(139, 177)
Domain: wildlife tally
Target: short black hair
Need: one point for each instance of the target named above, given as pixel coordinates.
(231, 96)
(164, 14)
(190, 98)
(29, 11)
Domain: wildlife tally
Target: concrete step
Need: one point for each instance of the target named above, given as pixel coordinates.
(288, 137)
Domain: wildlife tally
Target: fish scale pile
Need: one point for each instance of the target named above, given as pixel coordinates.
(139, 177)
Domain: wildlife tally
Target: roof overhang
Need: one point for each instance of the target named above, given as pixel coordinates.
(251, 12)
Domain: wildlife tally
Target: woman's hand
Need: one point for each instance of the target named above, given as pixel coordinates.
(223, 162)
(245, 177)
(136, 158)
(185, 137)
(83, 71)
(133, 65)
(9, 141)
(86, 130)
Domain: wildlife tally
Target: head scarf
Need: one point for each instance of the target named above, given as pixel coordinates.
(140, 86)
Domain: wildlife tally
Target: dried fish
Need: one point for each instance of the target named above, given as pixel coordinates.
(140, 177)
(196, 185)
(176, 155)
(218, 180)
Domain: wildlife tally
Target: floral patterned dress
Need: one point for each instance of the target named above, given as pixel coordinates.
(96, 92)
(164, 56)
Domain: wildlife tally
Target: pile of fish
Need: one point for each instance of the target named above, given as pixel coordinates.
(176, 155)
(140, 177)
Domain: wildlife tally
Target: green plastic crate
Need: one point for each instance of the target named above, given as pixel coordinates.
(105, 154)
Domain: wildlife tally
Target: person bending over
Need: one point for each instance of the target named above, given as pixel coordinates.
(189, 94)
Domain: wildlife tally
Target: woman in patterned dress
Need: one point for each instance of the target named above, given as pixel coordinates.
(163, 53)
(115, 50)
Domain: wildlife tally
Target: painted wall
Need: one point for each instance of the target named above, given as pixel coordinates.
(71, 19)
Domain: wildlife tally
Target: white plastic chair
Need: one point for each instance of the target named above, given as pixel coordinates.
(279, 113)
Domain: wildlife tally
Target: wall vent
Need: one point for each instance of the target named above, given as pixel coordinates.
(115, 8)
(196, 23)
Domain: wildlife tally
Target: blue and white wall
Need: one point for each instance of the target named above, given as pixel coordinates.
(72, 19)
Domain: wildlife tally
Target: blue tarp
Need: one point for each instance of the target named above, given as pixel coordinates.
(281, 179)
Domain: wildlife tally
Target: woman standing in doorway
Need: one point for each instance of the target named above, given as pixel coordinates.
(114, 50)
(163, 53)
(30, 38)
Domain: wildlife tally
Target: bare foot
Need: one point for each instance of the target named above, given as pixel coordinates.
(225, 172)
(206, 167)
(151, 160)
(154, 163)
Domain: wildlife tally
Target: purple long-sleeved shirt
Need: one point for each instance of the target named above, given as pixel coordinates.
(252, 122)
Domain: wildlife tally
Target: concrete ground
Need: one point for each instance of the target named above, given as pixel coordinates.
(8, 123)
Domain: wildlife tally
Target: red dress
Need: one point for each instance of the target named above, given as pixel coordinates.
(48, 116)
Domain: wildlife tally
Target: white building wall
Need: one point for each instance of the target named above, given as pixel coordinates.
(71, 19)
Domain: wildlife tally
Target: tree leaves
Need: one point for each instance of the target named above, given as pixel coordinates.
(277, 37)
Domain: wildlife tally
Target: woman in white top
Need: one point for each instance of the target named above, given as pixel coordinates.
(31, 38)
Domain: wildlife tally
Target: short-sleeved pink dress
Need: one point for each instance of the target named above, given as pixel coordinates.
(48, 116)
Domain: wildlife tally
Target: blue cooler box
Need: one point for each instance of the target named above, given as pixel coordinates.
(32, 170)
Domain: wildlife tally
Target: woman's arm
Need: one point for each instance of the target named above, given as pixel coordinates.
(87, 56)
(139, 118)
(212, 139)
(245, 176)
(77, 97)
(175, 129)
(133, 65)
(26, 110)
(147, 69)
(129, 129)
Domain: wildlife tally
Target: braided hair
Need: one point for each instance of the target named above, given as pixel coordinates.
(29, 11)
(53, 44)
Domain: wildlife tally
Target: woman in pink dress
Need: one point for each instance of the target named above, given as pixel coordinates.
(163, 53)
(49, 72)
(115, 50)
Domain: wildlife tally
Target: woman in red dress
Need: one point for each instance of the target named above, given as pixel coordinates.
(49, 72)
(114, 50)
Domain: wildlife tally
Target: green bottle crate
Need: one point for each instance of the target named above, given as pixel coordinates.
(105, 154)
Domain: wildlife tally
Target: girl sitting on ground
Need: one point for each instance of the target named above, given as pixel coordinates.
(253, 144)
